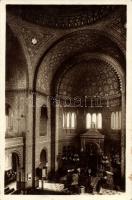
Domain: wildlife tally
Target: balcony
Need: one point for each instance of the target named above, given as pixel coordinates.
(13, 142)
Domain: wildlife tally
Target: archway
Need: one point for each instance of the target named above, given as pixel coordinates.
(15, 162)
(43, 158)
(13, 175)
(9, 119)
(17, 79)
(41, 171)
(58, 65)
(16, 169)
(43, 121)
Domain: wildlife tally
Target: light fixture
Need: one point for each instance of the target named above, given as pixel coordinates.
(34, 41)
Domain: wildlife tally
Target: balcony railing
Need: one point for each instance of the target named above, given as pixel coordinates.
(13, 142)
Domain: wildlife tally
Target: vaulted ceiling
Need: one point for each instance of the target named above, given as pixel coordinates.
(16, 65)
(91, 78)
(63, 16)
(46, 44)
(70, 49)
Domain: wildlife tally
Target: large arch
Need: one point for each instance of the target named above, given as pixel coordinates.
(72, 63)
(16, 90)
(85, 57)
(54, 59)
(73, 44)
(59, 53)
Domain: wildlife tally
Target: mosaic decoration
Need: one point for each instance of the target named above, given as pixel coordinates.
(35, 39)
(15, 64)
(94, 78)
(82, 41)
(64, 17)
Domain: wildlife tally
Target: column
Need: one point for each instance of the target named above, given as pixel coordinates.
(57, 124)
(28, 148)
(123, 133)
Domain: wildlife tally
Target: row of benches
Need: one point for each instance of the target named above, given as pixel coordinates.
(7, 190)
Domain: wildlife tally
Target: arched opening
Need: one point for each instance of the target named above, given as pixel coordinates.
(73, 120)
(116, 124)
(119, 126)
(68, 120)
(15, 162)
(94, 120)
(116, 120)
(99, 121)
(13, 175)
(16, 173)
(43, 121)
(41, 171)
(43, 158)
(88, 120)
(9, 118)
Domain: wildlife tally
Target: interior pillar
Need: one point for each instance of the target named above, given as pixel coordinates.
(56, 136)
(53, 123)
(123, 131)
(28, 142)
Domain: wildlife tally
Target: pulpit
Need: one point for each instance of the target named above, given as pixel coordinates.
(92, 143)
(92, 138)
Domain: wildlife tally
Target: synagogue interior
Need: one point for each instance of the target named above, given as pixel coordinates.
(65, 99)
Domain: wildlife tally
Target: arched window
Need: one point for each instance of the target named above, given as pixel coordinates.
(73, 120)
(68, 120)
(43, 157)
(64, 120)
(9, 117)
(43, 121)
(94, 120)
(88, 120)
(99, 121)
(119, 120)
(112, 120)
(116, 120)
(15, 161)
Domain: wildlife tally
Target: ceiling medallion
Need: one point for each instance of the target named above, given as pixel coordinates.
(34, 41)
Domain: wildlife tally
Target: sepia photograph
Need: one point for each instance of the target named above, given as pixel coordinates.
(65, 99)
